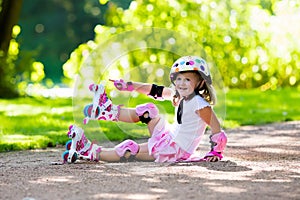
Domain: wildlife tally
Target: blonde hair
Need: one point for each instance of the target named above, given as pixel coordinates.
(206, 91)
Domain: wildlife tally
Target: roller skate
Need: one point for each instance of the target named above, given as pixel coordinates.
(79, 147)
(102, 107)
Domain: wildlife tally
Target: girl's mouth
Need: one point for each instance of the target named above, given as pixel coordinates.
(182, 88)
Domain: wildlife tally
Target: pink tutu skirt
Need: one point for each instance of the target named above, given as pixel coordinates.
(162, 147)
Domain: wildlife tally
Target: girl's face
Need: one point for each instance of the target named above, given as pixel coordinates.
(185, 83)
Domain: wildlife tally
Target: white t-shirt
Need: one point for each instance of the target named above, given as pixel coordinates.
(188, 134)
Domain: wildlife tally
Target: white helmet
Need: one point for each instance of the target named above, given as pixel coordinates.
(191, 63)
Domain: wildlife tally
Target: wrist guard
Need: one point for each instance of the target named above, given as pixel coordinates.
(156, 92)
(123, 86)
(218, 143)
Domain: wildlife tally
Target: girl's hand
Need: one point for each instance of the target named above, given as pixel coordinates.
(218, 142)
(212, 159)
(213, 156)
(122, 86)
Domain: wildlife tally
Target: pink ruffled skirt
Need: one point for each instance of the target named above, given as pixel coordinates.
(162, 147)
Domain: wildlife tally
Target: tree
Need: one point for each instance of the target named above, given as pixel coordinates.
(34, 49)
(52, 29)
(249, 41)
(9, 14)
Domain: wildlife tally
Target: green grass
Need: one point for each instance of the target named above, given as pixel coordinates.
(254, 107)
(30, 123)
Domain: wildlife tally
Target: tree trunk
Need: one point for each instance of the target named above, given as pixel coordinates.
(9, 15)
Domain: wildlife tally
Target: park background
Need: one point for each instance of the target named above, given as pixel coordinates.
(44, 44)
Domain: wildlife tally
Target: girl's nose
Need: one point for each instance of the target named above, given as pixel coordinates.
(183, 82)
(179, 82)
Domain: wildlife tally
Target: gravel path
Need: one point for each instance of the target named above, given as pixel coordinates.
(261, 162)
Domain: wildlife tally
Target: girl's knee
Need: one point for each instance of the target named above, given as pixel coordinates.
(147, 112)
(127, 150)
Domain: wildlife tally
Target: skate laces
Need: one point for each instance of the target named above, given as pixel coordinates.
(100, 93)
(103, 100)
(101, 104)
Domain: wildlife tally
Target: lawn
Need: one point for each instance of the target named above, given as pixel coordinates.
(30, 123)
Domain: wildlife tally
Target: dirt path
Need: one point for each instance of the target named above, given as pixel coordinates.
(262, 162)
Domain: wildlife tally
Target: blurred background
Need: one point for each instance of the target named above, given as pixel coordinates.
(51, 50)
(254, 44)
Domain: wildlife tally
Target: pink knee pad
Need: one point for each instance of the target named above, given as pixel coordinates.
(146, 112)
(127, 145)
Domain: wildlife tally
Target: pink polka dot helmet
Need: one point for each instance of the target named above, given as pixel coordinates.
(190, 63)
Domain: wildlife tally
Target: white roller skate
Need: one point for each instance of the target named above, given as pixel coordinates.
(102, 107)
(79, 147)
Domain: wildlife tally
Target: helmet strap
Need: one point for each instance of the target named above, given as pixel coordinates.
(201, 84)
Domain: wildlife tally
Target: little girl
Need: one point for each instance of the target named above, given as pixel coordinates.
(192, 99)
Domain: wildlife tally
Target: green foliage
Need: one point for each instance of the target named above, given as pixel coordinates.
(8, 68)
(248, 41)
(28, 123)
(52, 29)
(21, 73)
(9, 11)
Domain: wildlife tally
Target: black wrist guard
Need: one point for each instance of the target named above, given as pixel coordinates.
(156, 91)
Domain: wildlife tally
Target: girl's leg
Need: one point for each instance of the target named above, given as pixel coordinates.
(110, 155)
(149, 114)
(143, 154)
(152, 124)
(127, 149)
(146, 113)
(128, 115)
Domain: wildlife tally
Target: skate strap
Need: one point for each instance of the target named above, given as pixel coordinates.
(94, 152)
(86, 147)
(107, 103)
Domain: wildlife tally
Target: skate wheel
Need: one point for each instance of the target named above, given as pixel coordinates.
(68, 145)
(66, 155)
(87, 111)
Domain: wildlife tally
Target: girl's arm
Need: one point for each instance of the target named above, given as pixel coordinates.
(144, 88)
(218, 139)
(210, 118)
